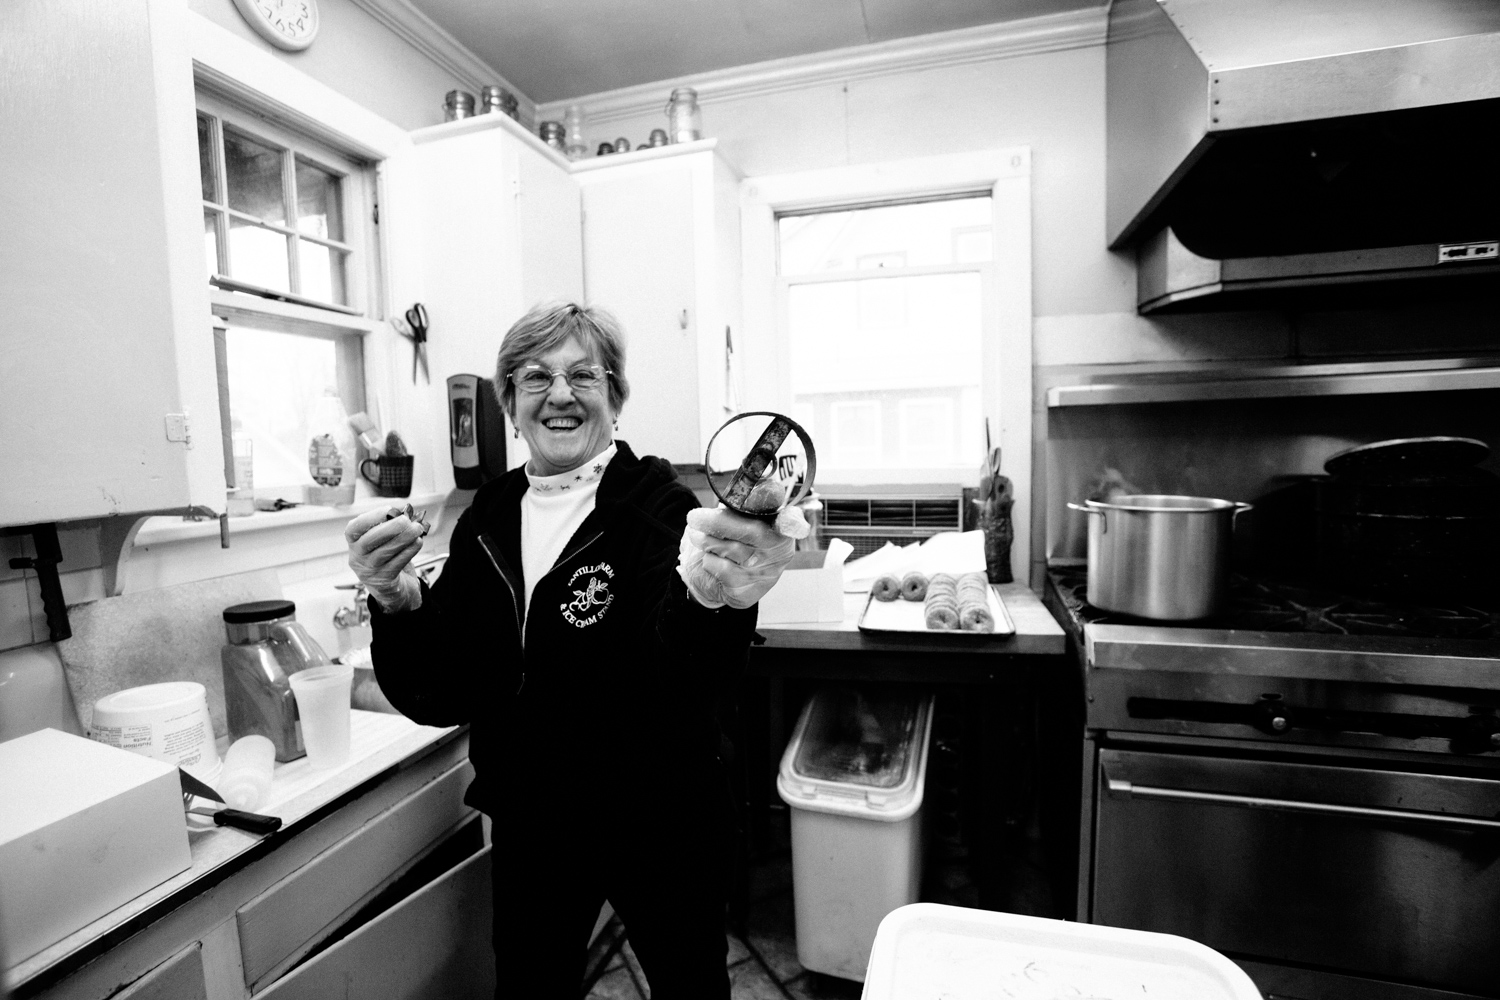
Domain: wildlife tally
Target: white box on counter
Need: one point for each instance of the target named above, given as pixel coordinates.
(811, 589)
(84, 828)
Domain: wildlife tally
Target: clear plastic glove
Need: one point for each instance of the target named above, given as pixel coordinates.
(727, 558)
(380, 550)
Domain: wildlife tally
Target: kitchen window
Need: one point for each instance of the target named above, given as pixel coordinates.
(884, 308)
(286, 223)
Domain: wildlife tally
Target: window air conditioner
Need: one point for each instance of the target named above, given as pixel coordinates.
(869, 520)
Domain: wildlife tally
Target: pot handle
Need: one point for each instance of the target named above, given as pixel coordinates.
(1239, 508)
(1103, 523)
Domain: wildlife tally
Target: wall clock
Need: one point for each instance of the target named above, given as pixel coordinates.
(286, 24)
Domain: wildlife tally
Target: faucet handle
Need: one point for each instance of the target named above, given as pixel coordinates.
(358, 613)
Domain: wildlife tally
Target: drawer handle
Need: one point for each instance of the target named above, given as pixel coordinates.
(1128, 789)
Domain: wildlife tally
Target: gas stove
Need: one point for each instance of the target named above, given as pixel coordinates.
(1263, 605)
(1309, 783)
(1292, 663)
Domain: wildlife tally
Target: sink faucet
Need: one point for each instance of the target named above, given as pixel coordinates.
(359, 614)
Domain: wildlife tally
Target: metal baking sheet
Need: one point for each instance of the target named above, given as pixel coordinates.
(900, 617)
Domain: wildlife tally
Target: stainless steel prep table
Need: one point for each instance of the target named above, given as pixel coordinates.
(1013, 689)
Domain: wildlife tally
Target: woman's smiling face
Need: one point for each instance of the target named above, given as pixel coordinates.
(564, 428)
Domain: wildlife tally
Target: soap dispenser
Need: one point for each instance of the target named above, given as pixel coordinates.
(265, 645)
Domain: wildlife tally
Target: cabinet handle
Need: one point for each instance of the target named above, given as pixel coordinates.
(1130, 790)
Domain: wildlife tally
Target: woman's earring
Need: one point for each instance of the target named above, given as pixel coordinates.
(617, 425)
(515, 432)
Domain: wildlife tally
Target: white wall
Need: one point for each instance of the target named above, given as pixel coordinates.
(358, 57)
(1083, 296)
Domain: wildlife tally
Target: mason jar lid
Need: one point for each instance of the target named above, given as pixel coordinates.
(258, 611)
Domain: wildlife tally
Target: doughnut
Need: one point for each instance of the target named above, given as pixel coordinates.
(887, 588)
(914, 586)
(941, 616)
(974, 603)
(975, 618)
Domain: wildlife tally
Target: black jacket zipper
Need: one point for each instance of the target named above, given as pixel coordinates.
(515, 602)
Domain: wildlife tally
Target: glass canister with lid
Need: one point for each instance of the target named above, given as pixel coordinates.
(265, 645)
(684, 120)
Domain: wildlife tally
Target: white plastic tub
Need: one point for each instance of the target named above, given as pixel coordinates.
(929, 950)
(852, 775)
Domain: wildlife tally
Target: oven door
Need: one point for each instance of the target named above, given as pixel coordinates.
(1379, 873)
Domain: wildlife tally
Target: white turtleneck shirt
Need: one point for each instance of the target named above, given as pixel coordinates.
(551, 511)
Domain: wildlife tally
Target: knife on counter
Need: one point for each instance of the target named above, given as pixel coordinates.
(248, 821)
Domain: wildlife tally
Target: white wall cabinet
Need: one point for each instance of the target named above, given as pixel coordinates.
(661, 251)
(492, 225)
(102, 277)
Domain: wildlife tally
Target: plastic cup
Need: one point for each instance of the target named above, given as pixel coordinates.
(247, 772)
(322, 695)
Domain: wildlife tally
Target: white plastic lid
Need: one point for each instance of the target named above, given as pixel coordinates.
(147, 703)
(859, 754)
(931, 950)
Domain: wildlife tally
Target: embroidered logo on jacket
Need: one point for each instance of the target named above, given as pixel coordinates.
(591, 599)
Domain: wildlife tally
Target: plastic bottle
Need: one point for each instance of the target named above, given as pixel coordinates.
(330, 453)
(247, 772)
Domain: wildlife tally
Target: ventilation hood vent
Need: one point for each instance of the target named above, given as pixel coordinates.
(1271, 147)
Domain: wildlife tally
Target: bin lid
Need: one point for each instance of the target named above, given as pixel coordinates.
(932, 950)
(863, 749)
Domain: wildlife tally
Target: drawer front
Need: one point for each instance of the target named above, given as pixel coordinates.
(282, 920)
(434, 943)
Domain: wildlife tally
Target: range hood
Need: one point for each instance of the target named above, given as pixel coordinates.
(1262, 150)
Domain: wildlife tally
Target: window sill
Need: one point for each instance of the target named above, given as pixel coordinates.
(170, 530)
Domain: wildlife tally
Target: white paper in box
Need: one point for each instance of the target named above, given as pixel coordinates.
(811, 589)
(84, 828)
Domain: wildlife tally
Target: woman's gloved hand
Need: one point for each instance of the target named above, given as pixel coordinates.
(380, 549)
(727, 558)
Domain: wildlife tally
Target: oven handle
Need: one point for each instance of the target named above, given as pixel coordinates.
(1292, 805)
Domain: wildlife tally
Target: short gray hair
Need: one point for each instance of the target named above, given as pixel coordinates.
(550, 324)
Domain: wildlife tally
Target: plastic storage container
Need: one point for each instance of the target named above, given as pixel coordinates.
(852, 775)
(930, 950)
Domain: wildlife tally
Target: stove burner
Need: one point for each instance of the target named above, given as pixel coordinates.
(1262, 605)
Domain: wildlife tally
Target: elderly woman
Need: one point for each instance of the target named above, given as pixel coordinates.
(588, 619)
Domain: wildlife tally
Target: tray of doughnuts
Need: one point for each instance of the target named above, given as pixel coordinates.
(962, 606)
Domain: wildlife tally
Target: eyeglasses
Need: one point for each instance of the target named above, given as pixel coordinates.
(580, 378)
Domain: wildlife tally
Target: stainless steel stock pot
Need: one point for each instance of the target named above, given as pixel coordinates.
(1159, 556)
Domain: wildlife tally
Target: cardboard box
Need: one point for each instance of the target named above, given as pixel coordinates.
(84, 828)
(810, 590)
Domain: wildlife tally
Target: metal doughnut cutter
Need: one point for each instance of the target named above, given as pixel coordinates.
(776, 472)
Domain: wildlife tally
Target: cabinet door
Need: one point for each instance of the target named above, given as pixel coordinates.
(493, 228)
(640, 262)
(436, 943)
(550, 222)
(105, 293)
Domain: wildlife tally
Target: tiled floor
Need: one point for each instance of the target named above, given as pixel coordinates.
(763, 962)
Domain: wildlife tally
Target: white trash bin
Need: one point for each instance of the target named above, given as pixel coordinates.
(931, 950)
(852, 775)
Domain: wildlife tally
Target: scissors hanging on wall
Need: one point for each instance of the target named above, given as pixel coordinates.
(416, 322)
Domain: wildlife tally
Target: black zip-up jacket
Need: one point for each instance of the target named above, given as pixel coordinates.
(621, 669)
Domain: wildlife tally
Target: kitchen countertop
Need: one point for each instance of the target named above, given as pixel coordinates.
(1037, 632)
(300, 796)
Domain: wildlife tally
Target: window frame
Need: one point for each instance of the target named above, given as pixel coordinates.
(1006, 384)
(360, 206)
(859, 277)
(234, 302)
